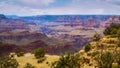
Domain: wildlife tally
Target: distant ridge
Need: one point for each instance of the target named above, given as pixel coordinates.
(2, 16)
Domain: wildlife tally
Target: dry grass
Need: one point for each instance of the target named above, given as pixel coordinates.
(110, 44)
(32, 60)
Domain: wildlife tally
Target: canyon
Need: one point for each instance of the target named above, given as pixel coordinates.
(57, 34)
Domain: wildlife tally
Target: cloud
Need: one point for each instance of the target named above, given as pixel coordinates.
(37, 7)
(19, 10)
(117, 2)
(32, 3)
(12, 9)
(105, 5)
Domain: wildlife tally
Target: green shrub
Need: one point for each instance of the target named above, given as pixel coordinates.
(96, 37)
(105, 60)
(67, 61)
(94, 53)
(19, 54)
(113, 29)
(28, 65)
(39, 53)
(41, 60)
(87, 48)
(8, 62)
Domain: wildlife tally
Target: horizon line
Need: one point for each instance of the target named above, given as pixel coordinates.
(56, 14)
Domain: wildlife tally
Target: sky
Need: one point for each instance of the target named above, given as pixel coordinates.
(59, 7)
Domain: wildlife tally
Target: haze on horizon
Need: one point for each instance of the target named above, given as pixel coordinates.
(59, 7)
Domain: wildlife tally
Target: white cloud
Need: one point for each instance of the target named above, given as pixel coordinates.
(117, 2)
(76, 7)
(14, 9)
(33, 3)
(66, 10)
(107, 7)
(36, 2)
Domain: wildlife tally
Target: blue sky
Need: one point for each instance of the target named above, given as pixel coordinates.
(59, 7)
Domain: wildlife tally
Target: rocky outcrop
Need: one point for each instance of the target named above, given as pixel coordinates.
(90, 22)
(74, 20)
(112, 19)
(5, 49)
(22, 38)
(11, 24)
